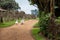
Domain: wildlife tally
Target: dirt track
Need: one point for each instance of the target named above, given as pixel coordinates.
(18, 32)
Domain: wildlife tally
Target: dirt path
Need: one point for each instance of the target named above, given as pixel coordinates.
(18, 32)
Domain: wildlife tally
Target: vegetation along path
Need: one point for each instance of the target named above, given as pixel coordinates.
(18, 31)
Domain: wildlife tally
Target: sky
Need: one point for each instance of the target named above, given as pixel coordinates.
(25, 6)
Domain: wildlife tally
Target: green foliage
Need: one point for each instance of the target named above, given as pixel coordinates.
(44, 18)
(43, 5)
(32, 2)
(8, 4)
(35, 34)
(57, 20)
(44, 21)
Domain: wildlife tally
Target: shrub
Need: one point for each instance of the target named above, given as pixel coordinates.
(57, 20)
(44, 23)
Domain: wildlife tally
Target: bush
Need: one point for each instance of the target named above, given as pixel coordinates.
(49, 29)
(57, 20)
(44, 23)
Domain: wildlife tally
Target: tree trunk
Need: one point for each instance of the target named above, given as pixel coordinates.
(52, 27)
(1, 20)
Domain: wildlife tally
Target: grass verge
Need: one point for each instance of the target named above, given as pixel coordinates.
(36, 25)
(36, 35)
(6, 24)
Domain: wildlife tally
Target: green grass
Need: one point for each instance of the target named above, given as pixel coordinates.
(36, 25)
(35, 34)
(7, 24)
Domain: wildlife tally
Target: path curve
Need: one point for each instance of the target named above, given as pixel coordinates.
(18, 32)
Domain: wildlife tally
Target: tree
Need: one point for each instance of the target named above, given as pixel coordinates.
(43, 5)
(9, 4)
(21, 14)
(47, 6)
